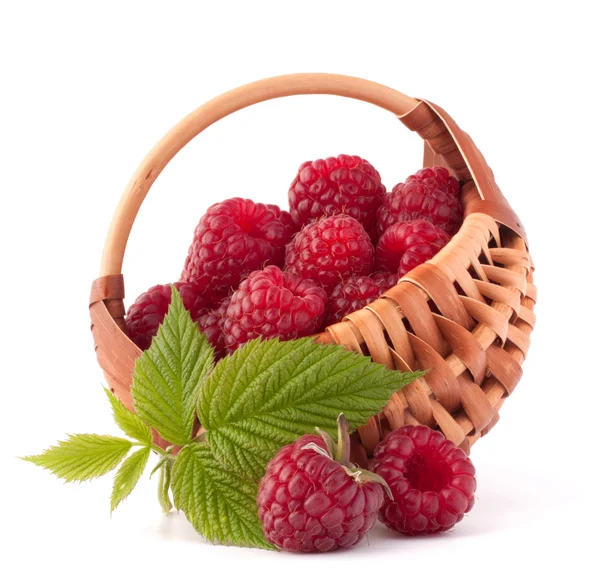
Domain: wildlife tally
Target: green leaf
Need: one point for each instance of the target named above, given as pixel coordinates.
(268, 393)
(168, 375)
(164, 483)
(83, 456)
(128, 421)
(128, 476)
(220, 504)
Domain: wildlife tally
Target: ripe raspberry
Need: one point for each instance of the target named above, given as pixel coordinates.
(211, 324)
(431, 480)
(330, 250)
(149, 309)
(385, 280)
(344, 184)
(405, 246)
(271, 303)
(431, 194)
(234, 238)
(351, 295)
(310, 502)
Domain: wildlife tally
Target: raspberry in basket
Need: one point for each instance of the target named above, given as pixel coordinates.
(341, 184)
(234, 238)
(431, 480)
(312, 499)
(405, 246)
(270, 303)
(330, 250)
(431, 194)
(351, 295)
(146, 314)
(385, 280)
(211, 324)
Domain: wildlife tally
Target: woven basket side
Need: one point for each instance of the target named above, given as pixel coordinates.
(115, 352)
(471, 331)
(466, 315)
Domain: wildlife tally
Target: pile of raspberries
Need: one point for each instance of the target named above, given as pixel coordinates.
(254, 270)
(311, 500)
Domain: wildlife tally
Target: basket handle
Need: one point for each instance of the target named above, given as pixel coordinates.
(216, 109)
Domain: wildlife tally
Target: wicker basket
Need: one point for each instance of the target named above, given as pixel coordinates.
(466, 315)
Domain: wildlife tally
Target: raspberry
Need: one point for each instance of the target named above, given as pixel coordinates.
(149, 309)
(431, 194)
(211, 324)
(385, 280)
(310, 502)
(351, 295)
(234, 238)
(431, 480)
(405, 246)
(344, 184)
(271, 303)
(330, 250)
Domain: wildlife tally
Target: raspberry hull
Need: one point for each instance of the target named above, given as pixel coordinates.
(308, 503)
(343, 184)
(431, 480)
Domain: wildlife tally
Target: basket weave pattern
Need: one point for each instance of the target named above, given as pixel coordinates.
(466, 315)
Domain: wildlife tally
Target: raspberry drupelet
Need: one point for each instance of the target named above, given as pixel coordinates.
(385, 280)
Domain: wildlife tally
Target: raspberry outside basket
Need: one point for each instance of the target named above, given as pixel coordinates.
(466, 315)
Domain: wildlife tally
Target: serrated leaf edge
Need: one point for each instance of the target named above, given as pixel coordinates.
(135, 464)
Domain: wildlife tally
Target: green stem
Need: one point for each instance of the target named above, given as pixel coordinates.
(156, 449)
(342, 453)
(164, 482)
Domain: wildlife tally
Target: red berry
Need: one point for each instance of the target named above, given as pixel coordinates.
(330, 250)
(431, 480)
(431, 194)
(405, 246)
(146, 314)
(351, 295)
(234, 238)
(211, 324)
(307, 502)
(344, 184)
(385, 280)
(271, 303)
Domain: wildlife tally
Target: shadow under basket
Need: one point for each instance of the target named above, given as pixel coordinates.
(466, 315)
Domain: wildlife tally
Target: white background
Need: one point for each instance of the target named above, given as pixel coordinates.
(89, 87)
